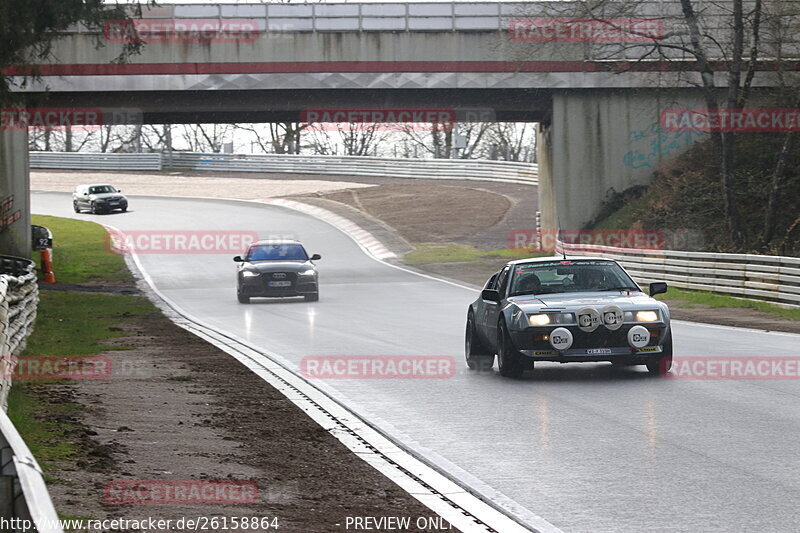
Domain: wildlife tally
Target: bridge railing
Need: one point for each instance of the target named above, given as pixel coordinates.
(462, 169)
(23, 493)
(390, 16)
(768, 278)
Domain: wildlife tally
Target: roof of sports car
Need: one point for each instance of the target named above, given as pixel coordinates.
(557, 258)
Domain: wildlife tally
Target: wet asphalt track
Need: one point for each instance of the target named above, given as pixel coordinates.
(586, 448)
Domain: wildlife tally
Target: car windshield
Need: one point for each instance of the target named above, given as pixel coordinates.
(101, 189)
(277, 252)
(569, 276)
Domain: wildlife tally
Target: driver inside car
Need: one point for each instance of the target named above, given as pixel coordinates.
(592, 279)
(530, 284)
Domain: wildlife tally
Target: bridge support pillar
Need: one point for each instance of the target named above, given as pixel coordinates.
(15, 200)
(604, 140)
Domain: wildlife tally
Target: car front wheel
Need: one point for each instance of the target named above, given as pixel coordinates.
(94, 209)
(75, 207)
(478, 357)
(510, 361)
(312, 297)
(242, 298)
(661, 364)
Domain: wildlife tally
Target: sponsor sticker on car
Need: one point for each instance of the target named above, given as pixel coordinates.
(598, 351)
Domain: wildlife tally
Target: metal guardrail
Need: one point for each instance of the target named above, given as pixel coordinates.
(27, 489)
(462, 169)
(23, 493)
(481, 170)
(768, 278)
(95, 161)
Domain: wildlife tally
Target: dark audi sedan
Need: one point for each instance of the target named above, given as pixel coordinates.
(276, 268)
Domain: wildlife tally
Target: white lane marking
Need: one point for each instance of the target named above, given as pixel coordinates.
(737, 328)
(462, 509)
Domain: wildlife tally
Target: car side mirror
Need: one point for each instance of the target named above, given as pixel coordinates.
(86, 194)
(238, 259)
(119, 190)
(658, 287)
(490, 294)
(315, 257)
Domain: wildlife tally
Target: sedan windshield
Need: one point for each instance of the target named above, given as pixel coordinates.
(277, 252)
(569, 276)
(101, 189)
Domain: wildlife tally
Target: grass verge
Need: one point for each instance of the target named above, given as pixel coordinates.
(455, 253)
(81, 253)
(70, 324)
(713, 300)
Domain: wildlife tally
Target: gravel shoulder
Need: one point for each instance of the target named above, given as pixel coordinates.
(177, 409)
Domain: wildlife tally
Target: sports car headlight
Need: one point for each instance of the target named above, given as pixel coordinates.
(541, 319)
(250, 274)
(642, 316)
(545, 319)
(309, 272)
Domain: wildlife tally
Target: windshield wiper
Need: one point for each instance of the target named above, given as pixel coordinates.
(619, 289)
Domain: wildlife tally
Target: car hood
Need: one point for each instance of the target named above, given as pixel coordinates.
(278, 266)
(625, 300)
(107, 196)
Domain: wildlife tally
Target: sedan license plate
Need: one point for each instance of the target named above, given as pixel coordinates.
(598, 351)
(280, 283)
(113, 203)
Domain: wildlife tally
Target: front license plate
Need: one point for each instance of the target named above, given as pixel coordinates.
(598, 351)
(280, 283)
(113, 203)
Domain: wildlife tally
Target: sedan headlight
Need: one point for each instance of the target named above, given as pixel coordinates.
(250, 274)
(641, 316)
(309, 272)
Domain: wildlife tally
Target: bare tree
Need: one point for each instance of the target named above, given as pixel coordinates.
(276, 137)
(702, 38)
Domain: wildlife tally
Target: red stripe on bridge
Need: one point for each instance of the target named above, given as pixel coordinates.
(106, 69)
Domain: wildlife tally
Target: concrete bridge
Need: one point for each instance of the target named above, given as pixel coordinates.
(597, 105)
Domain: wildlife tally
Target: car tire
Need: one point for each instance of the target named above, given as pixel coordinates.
(477, 356)
(242, 298)
(93, 208)
(509, 360)
(123, 209)
(75, 207)
(662, 364)
(312, 297)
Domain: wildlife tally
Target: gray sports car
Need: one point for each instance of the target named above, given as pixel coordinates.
(567, 310)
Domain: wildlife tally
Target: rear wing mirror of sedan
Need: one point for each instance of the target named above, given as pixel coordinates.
(315, 257)
(490, 294)
(658, 287)
(238, 259)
